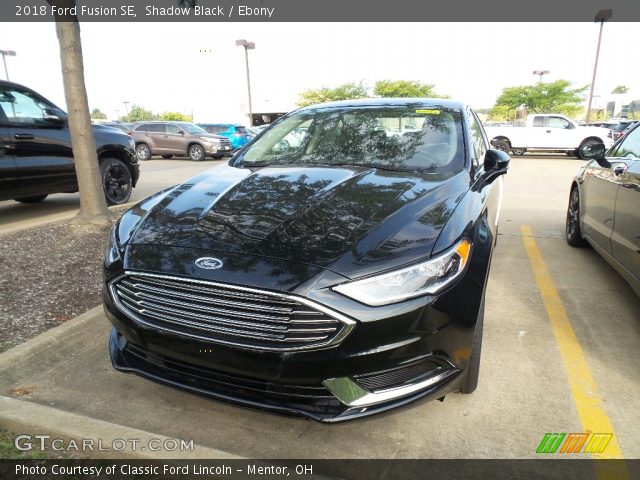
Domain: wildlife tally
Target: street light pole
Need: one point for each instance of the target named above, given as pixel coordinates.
(126, 108)
(540, 73)
(247, 46)
(6, 53)
(601, 16)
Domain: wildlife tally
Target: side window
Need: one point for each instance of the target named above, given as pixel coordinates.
(156, 128)
(477, 137)
(558, 122)
(141, 128)
(539, 121)
(630, 146)
(21, 108)
(173, 128)
(241, 130)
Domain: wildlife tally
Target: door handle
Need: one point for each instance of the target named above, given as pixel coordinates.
(548, 131)
(23, 136)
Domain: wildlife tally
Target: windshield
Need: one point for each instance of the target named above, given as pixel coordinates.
(194, 129)
(407, 137)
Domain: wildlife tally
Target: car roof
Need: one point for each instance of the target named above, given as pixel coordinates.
(382, 102)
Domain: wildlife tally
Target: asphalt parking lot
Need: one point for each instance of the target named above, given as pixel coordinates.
(560, 354)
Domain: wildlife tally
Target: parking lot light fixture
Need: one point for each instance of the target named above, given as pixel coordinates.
(540, 73)
(6, 53)
(602, 16)
(247, 46)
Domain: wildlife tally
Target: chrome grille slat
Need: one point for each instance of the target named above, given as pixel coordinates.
(204, 308)
(216, 291)
(227, 314)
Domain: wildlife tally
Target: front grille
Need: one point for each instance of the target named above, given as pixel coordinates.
(402, 375)
(227, 314)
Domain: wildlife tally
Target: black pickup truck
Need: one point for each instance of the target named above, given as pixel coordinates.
(36, 158)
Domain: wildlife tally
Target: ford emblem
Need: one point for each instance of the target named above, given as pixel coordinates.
(208, 263)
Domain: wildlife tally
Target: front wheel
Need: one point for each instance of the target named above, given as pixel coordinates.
(143, 151)
(196, 152)
(34, 199)
(117, 181)
(573, 232)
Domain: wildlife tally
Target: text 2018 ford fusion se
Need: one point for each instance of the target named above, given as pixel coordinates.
(335, 278)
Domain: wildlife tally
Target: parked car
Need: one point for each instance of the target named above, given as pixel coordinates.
(604, 205)
(123, 127)
(236, 134)
(338, 278)
(547, 132)
(177, 138)
(622, 128)
(36, 158)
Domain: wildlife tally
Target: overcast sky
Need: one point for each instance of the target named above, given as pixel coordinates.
(196, 67)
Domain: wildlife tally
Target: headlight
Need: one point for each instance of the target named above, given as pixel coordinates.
(425, 278)
(112, 255)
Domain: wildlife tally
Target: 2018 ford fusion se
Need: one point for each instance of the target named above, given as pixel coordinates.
(335, 278)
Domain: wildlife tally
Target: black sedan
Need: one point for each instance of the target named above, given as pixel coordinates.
(604, 206)
(334, 278)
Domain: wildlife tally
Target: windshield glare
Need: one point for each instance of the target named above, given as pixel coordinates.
(194, 129)
(407, 137)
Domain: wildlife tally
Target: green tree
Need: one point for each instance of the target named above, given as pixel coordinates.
(620, 89)
(175, 116)
(346, 91)
(405, 88)
(501, 113)
(554, 97)
(138, 113)
(97, 114)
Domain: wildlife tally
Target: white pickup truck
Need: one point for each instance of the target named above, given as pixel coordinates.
(547, 132)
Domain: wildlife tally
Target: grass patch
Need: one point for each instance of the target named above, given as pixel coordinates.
(9, 452)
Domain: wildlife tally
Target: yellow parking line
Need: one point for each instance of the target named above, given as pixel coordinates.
(583, 387)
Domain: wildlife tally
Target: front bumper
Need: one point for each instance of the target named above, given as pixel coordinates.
(395, 354)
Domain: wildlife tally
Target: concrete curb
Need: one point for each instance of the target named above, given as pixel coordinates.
(24, 417)
(52, 218)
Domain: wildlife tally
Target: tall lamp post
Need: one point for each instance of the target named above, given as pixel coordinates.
(540, 73)
(6, 53)
(602, 16)
(247, 46)
(126, 108)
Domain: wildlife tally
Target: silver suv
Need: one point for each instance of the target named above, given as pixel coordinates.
(177, 138)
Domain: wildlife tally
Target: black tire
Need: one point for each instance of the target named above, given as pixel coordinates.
(518, 152)
(167, 156)
(196, 152)
(590, 141)
(143, 151)
(470, 384)
(502, 145)
(34, 199)
(573, 232)
(117, 181)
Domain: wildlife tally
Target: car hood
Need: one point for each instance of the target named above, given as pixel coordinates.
(351, 220)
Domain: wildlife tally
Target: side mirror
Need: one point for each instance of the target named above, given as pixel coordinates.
(592, 151)
(180, 132)
(54, 116)
(496, 163)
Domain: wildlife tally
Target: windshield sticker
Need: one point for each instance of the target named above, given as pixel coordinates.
(429, 112)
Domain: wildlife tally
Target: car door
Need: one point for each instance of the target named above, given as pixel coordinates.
(8, 183)
(175, 140)
(625, 240)
(599, 190)
(156, 138)
(41, 145)
(560, 133)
